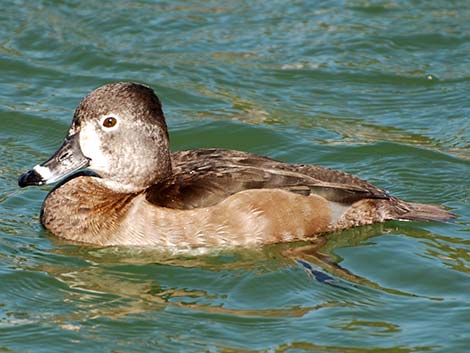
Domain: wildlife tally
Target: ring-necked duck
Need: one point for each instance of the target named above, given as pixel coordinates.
(142, 194)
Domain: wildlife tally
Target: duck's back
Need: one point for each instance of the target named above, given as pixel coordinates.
(206, 177)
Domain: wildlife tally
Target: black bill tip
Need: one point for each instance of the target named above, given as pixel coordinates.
(31, 177)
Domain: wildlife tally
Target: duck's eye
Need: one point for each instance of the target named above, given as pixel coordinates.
(110, 121)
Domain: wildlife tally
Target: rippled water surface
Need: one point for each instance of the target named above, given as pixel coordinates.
(376, 88)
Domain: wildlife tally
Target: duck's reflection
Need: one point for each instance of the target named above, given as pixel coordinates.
(116, 282)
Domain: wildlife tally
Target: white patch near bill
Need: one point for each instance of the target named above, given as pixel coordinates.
(47, 175)
(44, 172)
(90, 144)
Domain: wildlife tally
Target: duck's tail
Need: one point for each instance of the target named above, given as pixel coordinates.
(424, 212)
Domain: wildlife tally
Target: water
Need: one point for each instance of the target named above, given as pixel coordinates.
(377, 88)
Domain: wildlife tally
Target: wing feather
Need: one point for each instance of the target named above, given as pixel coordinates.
(205, 177)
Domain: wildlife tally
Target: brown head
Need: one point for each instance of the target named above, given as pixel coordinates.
(119, 132)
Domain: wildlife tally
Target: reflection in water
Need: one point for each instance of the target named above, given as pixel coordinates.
(142, 284)
(266, 287)
(311, 347)
(453, 252)
(121, 282)
(118, 278)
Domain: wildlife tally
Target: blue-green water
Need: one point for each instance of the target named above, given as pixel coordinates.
(377, 88)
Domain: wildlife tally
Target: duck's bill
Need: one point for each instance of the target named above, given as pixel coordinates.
(67, 160)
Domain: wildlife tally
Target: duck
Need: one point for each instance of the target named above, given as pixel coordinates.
(118, 184)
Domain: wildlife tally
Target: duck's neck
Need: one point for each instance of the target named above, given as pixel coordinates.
(136, 183)
(85, 210)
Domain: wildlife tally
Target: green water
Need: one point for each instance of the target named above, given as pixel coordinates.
(376, 88)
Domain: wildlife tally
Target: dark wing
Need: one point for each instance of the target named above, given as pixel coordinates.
(205, 177)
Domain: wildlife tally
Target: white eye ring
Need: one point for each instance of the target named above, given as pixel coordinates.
(109, 122)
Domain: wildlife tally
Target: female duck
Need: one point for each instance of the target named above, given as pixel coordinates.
(141, 194)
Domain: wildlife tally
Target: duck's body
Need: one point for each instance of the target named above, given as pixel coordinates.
(250, 217)
(218, 198)
(143, 195)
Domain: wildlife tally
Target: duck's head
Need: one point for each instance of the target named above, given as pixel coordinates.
(119, 132)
